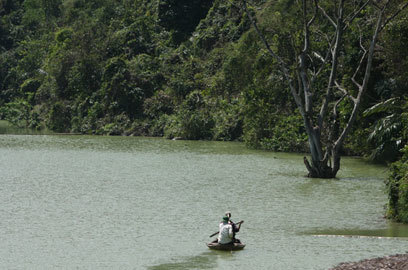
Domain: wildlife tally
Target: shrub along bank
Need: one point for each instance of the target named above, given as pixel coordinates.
(397, 187)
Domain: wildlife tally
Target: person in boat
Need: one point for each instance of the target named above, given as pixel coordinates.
(226, 233)
(235, 227)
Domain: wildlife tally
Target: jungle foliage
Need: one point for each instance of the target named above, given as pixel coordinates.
(190, 69)
(397, 187)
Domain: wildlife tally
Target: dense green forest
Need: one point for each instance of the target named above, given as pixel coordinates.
(191, 69)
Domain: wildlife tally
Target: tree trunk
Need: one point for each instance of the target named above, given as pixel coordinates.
(328, 164)
(326, 167)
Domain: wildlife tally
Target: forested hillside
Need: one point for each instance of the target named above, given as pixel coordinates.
(188, 69)
(192, 69)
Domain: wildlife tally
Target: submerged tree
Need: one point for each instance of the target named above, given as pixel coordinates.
(319, 59)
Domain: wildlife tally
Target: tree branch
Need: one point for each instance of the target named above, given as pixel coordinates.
(348, 21)
(281, 63)
(327, 16)
(394, 15)
(333, 72)
(318, 56)
(326, 58)
(306, 28)
(345, 92)
(353, 78)
(268, 47)
(363, 87)
(316, 7)
(302, 57)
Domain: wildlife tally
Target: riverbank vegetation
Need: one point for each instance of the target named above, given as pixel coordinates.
(318, 75)
(196, 69)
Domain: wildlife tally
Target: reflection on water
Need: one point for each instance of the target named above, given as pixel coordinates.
(393, 230)
(206, 260)
(8, 128)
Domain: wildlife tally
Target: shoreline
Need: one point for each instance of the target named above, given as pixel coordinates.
(392, 262)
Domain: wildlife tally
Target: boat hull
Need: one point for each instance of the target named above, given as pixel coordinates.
(229, 247)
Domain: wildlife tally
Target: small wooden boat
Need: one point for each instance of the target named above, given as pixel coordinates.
(228, 247)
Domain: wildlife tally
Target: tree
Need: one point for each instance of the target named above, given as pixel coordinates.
(318, 58)
(389, 133)
(182, 16)
(397, 189)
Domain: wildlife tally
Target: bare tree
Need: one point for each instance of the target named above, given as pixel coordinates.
(326, 135)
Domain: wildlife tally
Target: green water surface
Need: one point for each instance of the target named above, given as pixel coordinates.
(83, 202)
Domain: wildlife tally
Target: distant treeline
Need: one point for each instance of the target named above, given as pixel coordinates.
(193, 69)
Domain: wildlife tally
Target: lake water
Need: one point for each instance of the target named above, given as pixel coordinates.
(83, 202)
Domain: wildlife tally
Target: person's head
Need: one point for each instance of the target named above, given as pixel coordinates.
(228, 214)
(225, 219)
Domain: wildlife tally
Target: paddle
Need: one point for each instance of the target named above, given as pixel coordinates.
(238, 223)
